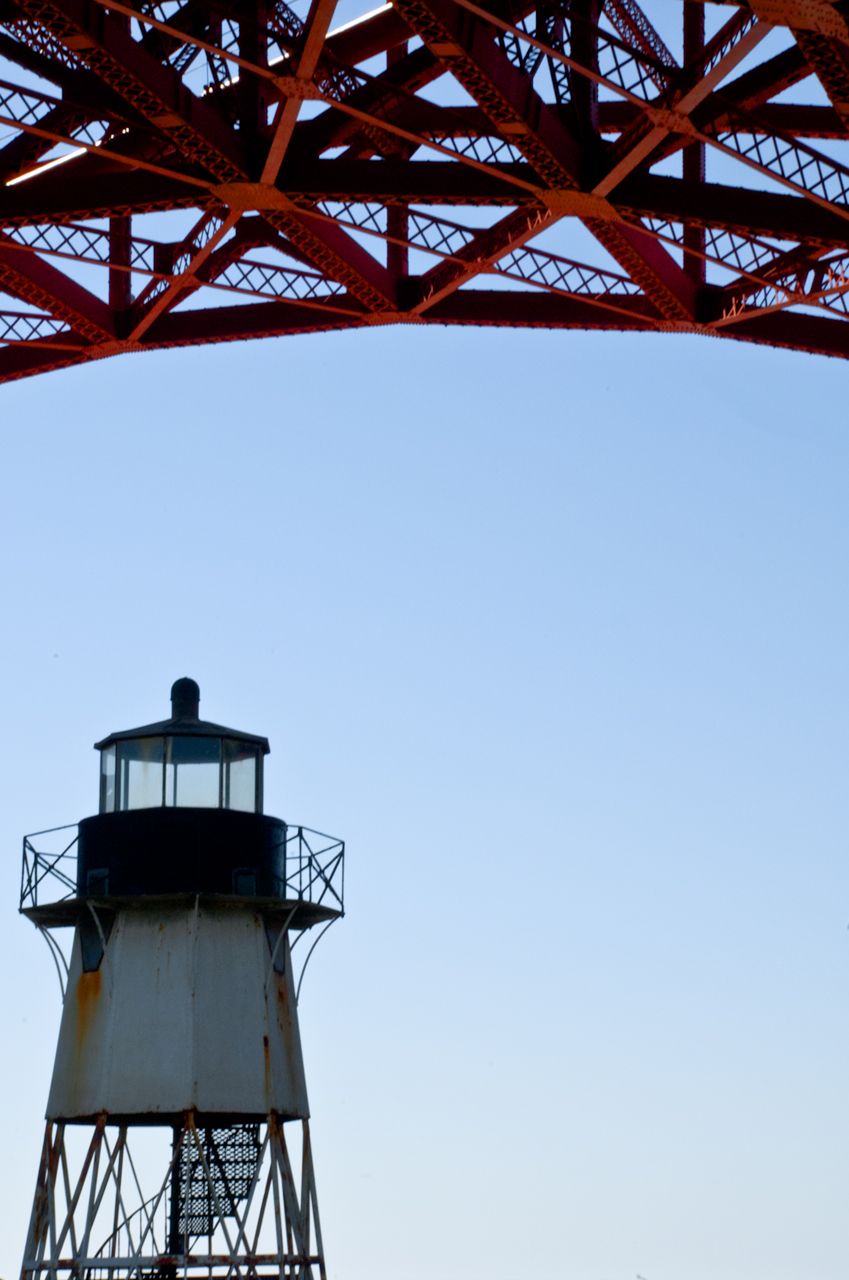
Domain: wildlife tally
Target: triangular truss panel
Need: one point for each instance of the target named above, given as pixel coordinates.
(209, 170)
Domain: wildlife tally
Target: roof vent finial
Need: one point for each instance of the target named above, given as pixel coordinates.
(185, 699)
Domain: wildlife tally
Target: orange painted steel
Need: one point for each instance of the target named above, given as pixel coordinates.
(425, 162)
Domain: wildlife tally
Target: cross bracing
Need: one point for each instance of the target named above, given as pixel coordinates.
(667, 166)
(119, 1202)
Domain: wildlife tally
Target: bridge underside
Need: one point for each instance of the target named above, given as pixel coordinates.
(191, 171)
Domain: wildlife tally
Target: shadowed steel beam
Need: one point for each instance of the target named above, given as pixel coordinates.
(494, 309)
(236, 324)
(24, 362)
(35, 281)
(747, 212)
(94, 193)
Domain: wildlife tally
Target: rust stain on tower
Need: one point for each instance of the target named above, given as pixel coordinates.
(87, 996)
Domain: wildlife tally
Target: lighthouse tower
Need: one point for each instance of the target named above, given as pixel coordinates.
(177, 1140)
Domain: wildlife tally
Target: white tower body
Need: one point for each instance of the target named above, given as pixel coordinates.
(178, 1071)
(184, 1013)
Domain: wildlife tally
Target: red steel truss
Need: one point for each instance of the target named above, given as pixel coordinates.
(192, 171)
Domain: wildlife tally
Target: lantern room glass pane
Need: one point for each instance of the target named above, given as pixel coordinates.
(139, 773)
(240, 773)
(193, 773)
(107, 780)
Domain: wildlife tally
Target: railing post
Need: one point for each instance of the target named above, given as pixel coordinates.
(300, 862)
(23, 872)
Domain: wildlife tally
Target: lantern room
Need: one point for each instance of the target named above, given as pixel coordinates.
(181, 813)
(181, 819)
(184, 762)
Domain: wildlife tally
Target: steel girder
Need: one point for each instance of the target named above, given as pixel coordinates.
(595, 164)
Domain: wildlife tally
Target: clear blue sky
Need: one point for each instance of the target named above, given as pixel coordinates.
(553, 628)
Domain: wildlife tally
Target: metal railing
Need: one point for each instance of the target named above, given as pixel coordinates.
(313, 862)
(315, 868)
(49, 869)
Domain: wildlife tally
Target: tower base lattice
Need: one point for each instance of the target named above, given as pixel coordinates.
(235, 1200)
